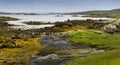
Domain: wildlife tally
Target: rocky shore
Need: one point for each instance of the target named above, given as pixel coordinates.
(63, 48)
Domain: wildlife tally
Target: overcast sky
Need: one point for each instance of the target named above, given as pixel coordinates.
(57, 5)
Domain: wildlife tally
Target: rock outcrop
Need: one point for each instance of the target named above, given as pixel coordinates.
(55, 41)
(110, 28)
(51, 59)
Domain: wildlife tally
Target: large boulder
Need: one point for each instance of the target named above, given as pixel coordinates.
(55, 41)
(110, 28)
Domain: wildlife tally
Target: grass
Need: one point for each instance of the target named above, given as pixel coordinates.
(90, 37)
(106, 58)
(29, 46)
(102, 41)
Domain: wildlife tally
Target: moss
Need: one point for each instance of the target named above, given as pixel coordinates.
(22, 52)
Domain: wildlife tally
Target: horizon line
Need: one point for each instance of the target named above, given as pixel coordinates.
(59, 12)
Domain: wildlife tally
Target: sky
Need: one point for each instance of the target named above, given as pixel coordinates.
(57, 5)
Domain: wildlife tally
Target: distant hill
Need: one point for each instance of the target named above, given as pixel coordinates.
(19, 13)
(4, 13)
(114, 11)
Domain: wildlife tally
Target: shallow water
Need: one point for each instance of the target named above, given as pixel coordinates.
(25, 27)
(43, 18)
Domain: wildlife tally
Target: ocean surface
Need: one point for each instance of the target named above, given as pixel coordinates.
(44, 18)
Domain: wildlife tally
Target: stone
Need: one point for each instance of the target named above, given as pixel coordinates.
(110, 28)
(55, 41)
(51, 59)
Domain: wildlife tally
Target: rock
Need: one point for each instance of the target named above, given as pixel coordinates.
(110, 28)
(51, 59)
(99, 32)
(75, 51)
(80, 51)
(55, 41)
(44, 53)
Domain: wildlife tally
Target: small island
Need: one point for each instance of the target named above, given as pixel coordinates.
(36, 23)
(5, 18)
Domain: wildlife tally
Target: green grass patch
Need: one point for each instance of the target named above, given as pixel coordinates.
(90, 37)
(106, 58)
(102, 41)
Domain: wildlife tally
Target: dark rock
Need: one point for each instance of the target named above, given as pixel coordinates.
(44, 53)
(51, 59)
(54, 41)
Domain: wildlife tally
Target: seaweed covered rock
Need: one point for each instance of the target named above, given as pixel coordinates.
(55, 41)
